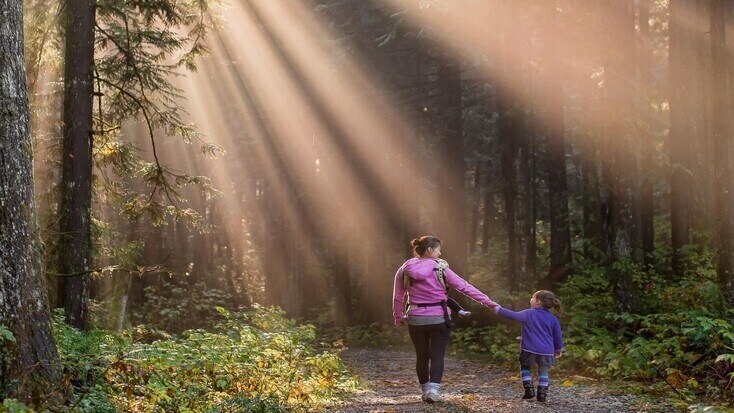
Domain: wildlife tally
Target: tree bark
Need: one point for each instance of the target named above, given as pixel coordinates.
(722, 139)
(684, 124)
(74, 255)
(645, 191)
(30, 366)
(557, 182)
(451, 203)
(476, 202)
(621, 170)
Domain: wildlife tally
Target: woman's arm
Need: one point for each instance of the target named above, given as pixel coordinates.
(398, 297)
(462, 286)
(520, 316)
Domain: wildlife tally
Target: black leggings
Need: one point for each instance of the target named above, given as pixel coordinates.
(430, 347)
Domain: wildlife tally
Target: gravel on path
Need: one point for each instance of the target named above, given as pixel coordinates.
(467, 386)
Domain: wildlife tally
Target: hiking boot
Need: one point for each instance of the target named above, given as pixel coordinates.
(542, 393)
(529, 393)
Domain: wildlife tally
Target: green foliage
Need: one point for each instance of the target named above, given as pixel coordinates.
(176, 307)
(258, 361)
(376, 335)
(141, 47)
(680, 342)
(14, 406)
(497, 340)
(6, 335)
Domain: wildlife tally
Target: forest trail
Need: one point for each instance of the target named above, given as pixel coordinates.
(468, 386)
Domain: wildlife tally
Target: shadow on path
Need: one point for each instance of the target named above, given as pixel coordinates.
(468, 386)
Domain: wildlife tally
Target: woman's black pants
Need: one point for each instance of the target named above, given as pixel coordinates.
(430, 348)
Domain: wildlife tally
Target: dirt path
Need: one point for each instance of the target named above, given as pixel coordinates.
(468, 386)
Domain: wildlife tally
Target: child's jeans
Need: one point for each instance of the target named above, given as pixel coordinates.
(527, 360)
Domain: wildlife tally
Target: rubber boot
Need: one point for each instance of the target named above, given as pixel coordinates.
(542, 393)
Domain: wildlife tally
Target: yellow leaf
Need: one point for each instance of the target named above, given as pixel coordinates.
(567, 383)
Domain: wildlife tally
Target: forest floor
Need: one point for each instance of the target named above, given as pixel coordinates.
(390, 385)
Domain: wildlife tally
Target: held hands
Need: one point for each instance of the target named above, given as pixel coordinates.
(558, 354)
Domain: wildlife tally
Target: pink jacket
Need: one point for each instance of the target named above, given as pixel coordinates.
(426, 288)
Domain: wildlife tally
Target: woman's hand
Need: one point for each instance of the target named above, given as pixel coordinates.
(557, 354)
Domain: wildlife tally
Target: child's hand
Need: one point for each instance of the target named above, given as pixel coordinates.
(399, 323)
(557, 354)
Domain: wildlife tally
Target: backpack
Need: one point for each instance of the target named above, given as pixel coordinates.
(438, 271)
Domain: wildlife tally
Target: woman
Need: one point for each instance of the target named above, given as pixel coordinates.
(427, 316)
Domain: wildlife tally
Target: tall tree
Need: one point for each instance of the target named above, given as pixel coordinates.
(619, 163)
(74, 248)
(647, 144)
(685, 125)
(557, 183)
(31, 363)
(451, 201)
(722, 139)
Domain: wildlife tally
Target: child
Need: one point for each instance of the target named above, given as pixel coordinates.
(541, 341)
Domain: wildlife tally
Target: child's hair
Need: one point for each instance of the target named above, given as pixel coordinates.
(421, 245)
(548, 300)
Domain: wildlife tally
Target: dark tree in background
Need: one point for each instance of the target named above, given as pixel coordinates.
(560, 232)
(721, 131)
(450, 209)
(620, 166)
(74, 244)
(645, 194)
(685, 125)
(30, 365)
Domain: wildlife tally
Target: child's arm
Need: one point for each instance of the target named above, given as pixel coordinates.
(520, 316)
(557, 339)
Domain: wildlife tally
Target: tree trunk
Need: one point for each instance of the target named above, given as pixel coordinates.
(490, 212)
(74, 255)
(451, 203)
(620, 173)
(647, 164)
(560, 244)
(509, 152)
(722, 138)
(477, 199)
(684, 124)
(29, 367)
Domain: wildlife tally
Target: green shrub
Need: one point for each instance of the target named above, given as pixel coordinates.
(679, 342)
(254, 361)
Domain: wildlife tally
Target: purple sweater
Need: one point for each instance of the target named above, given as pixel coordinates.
(426, 288)
(540, 332)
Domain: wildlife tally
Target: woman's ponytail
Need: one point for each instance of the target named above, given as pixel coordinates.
(421, 245)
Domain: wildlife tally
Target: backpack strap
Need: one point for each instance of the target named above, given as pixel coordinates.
(441, 265)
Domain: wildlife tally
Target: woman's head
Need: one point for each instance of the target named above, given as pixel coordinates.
(426, 246)
(545, 299)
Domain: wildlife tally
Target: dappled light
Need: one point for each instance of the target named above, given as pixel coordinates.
(310, 205)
